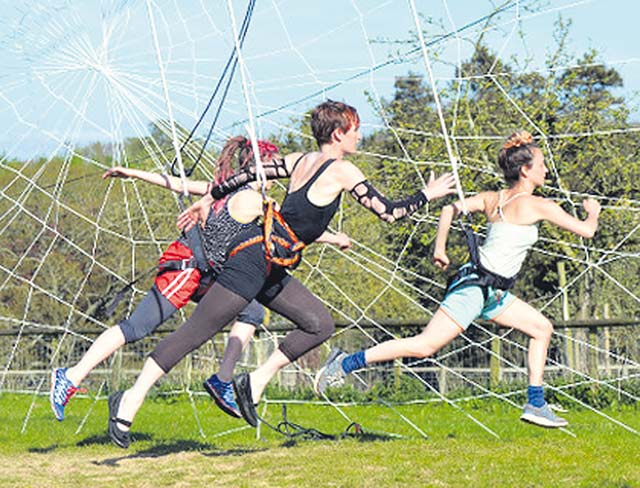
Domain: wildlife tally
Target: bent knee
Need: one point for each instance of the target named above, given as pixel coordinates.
(544, 329)
(422, 349)
(130, 332)
(327, 328)
(318, 325)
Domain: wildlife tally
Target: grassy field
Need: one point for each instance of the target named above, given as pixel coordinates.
(169, 449)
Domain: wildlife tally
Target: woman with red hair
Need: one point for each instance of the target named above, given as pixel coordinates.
(258, 263)
(180, 278)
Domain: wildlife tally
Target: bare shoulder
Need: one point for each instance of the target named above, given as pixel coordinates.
(489, 198)
(538, 203)
(344, 166)
(291, 158)
(347, 173)
(481, 202)
(245, 198)
(245, 206)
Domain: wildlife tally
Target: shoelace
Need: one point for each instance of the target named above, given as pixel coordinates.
(224, 389)
(335, 376)
(63, 394)
(227, 392)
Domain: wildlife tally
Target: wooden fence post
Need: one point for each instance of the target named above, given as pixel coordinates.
(568, 333)
(607, 342)
(495, 373)
(442, 381)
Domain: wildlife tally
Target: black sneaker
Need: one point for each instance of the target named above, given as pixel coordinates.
(242, 389)
(119, 437)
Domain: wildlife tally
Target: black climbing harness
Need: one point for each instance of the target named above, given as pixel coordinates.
(480, 276)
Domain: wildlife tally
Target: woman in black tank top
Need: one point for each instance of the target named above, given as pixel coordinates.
(316, 182)
(307, 220)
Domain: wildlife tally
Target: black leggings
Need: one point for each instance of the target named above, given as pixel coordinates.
(155, 309)
(220, 306)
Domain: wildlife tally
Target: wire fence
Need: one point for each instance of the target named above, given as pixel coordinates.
(487, 357)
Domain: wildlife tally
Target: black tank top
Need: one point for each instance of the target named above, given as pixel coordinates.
(308, 221)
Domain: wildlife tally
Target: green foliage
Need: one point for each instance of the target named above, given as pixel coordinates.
(70, 238)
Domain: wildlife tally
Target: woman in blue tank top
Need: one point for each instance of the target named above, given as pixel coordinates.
(513, 215)
(257, 263)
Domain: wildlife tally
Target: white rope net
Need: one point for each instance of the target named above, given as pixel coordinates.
(136, 76)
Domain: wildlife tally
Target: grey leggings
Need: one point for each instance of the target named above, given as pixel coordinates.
(220, 305)
(155, 309)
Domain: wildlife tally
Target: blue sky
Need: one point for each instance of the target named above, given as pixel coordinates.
(72, 72)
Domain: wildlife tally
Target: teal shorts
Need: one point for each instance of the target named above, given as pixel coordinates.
(467, 303)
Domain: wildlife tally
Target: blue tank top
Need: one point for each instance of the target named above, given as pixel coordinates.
(308, 221)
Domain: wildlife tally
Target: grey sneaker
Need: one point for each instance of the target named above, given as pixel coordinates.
(331, 374)
(543, 416)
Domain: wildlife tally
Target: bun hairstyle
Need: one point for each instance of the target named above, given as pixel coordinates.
(240, 150)
(516, 152)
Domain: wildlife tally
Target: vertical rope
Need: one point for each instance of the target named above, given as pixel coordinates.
(165, 89)
(443, 125)
(250, 127)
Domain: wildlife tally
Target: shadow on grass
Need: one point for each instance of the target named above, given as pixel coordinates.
(102, 439)
(296, 433)
(174, 448)
(361, 437)
(105, 439)
(43, 450)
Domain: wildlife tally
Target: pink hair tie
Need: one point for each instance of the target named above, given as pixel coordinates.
(265, 147)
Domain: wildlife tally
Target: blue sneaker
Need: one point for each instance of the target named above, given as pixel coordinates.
(331, 374)
(222, 394)
(542, 416)
(61, 392)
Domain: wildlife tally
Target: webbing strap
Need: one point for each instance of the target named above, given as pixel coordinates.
(176, 265)
(294, 432)
(196, 243)
(486, 278)
(291, 243)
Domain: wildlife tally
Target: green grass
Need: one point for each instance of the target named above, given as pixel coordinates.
(168, 449)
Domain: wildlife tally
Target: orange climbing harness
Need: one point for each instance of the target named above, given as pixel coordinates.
(282, 251)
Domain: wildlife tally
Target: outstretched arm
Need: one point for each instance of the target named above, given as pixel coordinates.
(551, 211)
(391, 210)
(275, 169)
(170, 182)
